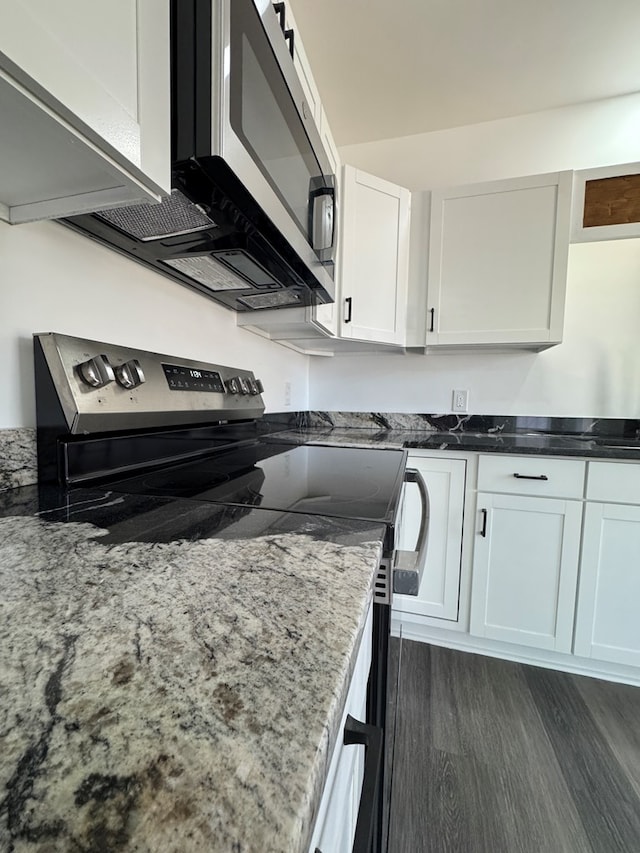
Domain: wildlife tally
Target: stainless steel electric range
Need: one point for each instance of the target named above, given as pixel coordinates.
(152, 425)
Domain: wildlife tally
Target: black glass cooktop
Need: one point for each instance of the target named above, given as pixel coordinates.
(313, 479)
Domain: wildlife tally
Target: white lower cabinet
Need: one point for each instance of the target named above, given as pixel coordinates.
(339, 826)
(550, 570)
(440, 585)
(607, 621)
(335, 824)
(526, 550)
(525, 570)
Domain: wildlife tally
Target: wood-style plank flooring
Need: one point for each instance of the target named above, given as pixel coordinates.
(497, 757)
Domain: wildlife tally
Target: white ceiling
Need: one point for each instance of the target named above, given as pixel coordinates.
(389, 68)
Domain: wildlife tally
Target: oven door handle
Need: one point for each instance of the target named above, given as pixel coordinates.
(412, 475)
(407, 566)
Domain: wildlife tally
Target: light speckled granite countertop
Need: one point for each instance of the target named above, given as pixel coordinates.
(17, 457)
(176, 695)
(183, 693)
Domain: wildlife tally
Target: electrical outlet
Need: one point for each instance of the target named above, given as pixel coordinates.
(287, 393)
(460, 401)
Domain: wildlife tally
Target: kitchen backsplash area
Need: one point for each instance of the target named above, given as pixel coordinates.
(17, 457)
(492, 424)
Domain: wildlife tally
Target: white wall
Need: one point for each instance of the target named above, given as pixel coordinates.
(53, 280)
(595, 372)
(581, 136)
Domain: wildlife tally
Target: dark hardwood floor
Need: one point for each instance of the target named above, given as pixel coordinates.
(497, 757)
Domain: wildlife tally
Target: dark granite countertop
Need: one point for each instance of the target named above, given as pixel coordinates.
(172, 674)
(595, 445)
(598, 447)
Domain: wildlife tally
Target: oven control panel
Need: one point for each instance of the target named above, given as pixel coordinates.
(103, 387)
(182, 378)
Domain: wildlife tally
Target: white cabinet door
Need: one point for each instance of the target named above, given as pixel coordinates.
(440, 584)
(84, 96)
(338, 830)
(335, 825)
(374, 250)
(498, 261)
(608, 621)
(525, 567)
(303, 67)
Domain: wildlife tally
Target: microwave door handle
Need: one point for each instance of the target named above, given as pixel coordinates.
(407, 564)
(322, 227)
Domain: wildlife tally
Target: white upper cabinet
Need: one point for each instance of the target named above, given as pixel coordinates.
(324, 317)
(85, 104)
(330, 148)
(498, 262)
(302, 65)
(374, 254)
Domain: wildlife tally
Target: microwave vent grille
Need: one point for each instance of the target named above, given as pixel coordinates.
(279, 299)
(208, 271)
(175, 215)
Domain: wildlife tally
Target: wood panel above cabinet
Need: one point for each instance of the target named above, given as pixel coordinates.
(612, 201)
(606, 203)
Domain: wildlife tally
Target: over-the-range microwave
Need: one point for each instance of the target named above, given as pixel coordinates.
(251, 221)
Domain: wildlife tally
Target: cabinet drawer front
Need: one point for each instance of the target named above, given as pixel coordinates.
(531, 475)
(618, 482)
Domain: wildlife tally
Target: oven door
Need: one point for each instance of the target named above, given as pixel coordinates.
(266, 134)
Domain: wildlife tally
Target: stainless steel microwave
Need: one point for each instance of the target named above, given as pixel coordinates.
(251, 220)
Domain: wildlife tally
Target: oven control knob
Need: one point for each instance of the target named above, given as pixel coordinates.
(259, 386)
(232, 385)
(253, 387)
(130, 374)
(244, 385)
(96, 372)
